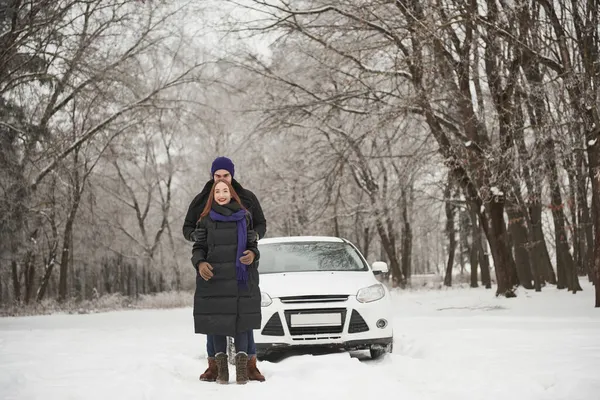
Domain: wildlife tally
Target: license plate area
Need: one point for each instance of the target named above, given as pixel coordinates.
(315, 321)
(302, 320)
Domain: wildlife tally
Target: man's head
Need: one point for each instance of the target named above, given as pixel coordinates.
(222, 169)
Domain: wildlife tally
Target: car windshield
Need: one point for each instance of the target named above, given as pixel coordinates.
(309, 256)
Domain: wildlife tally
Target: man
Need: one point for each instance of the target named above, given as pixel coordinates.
(223, 169)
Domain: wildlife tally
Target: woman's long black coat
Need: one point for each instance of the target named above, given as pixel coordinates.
(221, 307)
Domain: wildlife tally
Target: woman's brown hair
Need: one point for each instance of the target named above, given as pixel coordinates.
(211, 198)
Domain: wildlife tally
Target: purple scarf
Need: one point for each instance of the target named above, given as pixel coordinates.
(242, 237)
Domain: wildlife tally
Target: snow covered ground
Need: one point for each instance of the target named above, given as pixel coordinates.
(450, 344)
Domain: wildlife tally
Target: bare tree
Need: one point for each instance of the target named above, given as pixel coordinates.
(74, 75)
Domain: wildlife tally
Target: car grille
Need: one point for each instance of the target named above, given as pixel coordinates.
(273, 326)
(315, 330)
(357, 323)
(314, 299)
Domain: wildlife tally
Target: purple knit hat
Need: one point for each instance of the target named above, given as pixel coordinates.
(222, 163)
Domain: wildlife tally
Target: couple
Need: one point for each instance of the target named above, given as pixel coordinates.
(225, 222)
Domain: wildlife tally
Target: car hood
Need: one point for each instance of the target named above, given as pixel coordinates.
(315, 283)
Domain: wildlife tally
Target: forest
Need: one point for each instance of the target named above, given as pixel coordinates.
(449, 138)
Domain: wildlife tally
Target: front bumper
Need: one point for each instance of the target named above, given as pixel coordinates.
(359, 329)
(265, 349)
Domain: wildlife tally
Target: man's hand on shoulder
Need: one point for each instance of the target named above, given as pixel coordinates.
(198, 235)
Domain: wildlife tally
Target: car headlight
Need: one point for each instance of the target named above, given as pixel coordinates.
(371, 293)
(265, 300)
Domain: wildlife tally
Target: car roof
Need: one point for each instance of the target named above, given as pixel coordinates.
(296, 239)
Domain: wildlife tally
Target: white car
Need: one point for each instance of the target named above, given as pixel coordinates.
(321, 292)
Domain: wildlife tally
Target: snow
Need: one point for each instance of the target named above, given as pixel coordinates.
(496, 191)
(450, 344)
(468, 144)
(592, 142)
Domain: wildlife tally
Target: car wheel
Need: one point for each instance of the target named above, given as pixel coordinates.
(380, 351)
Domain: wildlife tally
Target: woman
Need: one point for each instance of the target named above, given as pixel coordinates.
(227, 298)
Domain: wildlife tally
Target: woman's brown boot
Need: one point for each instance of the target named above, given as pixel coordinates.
(241, 368)
(210, 375)
(222, 369)
(253, 372)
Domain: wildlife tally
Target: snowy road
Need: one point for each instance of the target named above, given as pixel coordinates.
(456, 344)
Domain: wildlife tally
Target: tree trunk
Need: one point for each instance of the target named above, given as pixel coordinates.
(336, 225)
(593, 149)
(16, 281)
(450, 231)
(144, 291)
(450, 263)
(537, 275)
(585, 228)
(388, 242)
(578, 264)
(136, 280)
(463, 232)
(475, 246)
(366, 242)
(65, 259)
(564, 261)
(49, 267)
(406, 240)
(518, 229)
(578, 256)
(407, 251)
(539, 256)
(484, 260)
(29, 275)
(498, 240)
(66, 255)
(541, 250)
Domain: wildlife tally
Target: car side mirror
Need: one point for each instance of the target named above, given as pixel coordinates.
(379, 267)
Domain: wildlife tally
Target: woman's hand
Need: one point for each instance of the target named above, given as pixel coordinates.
(248, 257)
(205, 270)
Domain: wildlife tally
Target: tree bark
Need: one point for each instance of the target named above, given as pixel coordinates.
(406, 240)
(49, 265)
(484, 263)
(585, 228)
(450, 231)
(564, 261)
(499, 245)
(594, 172)
(366, 241)
(16, 281)
(517, 225)
(541, 249)
(29, 275)
(475, 246)
(463, 234)
(65, 258)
